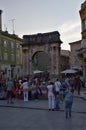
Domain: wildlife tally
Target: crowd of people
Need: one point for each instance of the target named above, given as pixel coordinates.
(56, 90)
(25, 88)
(60, 91)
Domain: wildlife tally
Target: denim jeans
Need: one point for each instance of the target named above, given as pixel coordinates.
(68, 106)
(57, 102)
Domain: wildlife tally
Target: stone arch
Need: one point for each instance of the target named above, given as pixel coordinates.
(49, 43)
(41, 61)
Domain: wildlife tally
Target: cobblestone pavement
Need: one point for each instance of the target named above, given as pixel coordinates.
(34, 115)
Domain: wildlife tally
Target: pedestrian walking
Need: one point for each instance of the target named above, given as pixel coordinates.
(30, 90)
(63, 88)
(9, 88)
(57, 94)
(68, 102)
(78, 84)
(51, 96)
(25, 90)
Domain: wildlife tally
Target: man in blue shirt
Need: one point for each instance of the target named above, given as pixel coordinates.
(68, 102)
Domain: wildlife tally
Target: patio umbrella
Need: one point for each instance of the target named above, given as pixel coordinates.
(69, 71)
(37, 71)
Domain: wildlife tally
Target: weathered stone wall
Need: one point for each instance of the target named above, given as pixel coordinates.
(48, 43)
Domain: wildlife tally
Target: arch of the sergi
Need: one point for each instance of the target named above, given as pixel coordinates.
(48, 43)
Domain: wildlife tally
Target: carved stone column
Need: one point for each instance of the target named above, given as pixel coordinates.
(58, 60)
(51, 55)
(25, 61)
(30, 65)
(55, 60)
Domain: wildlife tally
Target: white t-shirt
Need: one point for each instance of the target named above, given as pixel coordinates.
(57, 86)
(25, 85)
(50, 89)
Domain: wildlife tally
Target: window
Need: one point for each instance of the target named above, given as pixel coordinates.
(12, 57)
(18, 70)
(12, 44)
(5, 43)
(5, 56)
(83, 43)
(17, 58)
(49, 37)
(17, 45)
(5, 71)
(84, 25)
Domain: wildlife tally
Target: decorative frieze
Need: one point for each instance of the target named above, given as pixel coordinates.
(40, 38)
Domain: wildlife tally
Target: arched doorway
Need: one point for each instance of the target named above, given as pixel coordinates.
(41, 61)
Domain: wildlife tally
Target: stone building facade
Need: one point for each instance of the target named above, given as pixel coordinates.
(75, 62)
(10, 54)
(65, 60)
(82, 50)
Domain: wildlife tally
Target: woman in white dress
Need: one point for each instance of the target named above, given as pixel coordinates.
(51, 96)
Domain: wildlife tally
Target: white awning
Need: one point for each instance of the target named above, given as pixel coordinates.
(37, 71)
(69, 71)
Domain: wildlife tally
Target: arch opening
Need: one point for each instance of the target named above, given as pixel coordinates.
(41, 61)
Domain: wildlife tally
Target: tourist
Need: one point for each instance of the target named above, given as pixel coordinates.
(25, 90)
(68, 102)
(57, 94)
(51, 96)
(78, 84)
(9, 88)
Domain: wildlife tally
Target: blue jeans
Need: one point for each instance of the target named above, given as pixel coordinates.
(68, 106)
(57, 102)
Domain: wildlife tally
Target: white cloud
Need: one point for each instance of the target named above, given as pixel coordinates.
(72, 36)
(70, 32)
(69, 26)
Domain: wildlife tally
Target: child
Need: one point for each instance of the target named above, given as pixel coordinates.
(68, 102)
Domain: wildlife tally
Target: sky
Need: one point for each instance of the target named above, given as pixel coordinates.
(26, 17)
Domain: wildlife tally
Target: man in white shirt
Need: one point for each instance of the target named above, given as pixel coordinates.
(57, 85)
(25, 90)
